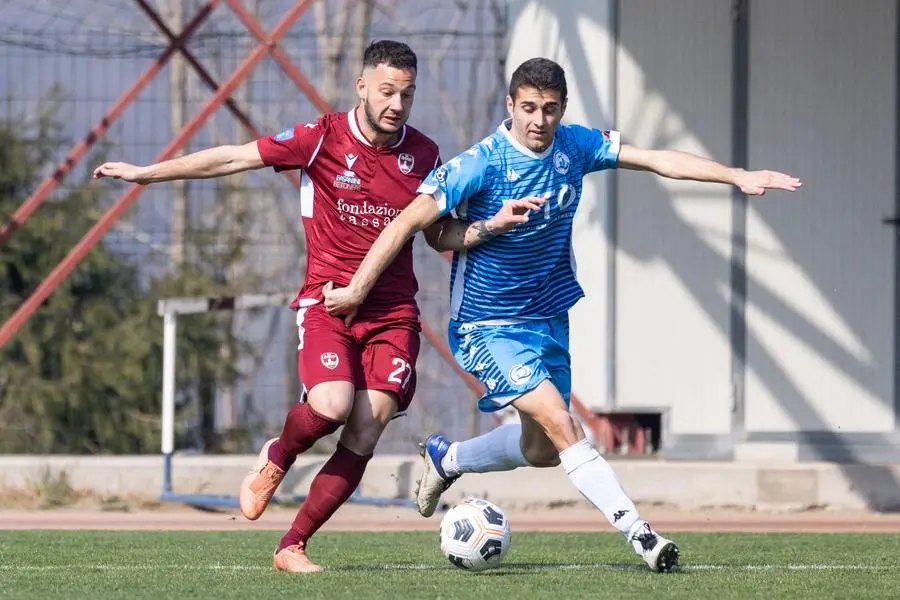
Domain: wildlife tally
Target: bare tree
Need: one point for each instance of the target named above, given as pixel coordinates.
(174, 13)
(483, 98)
(341, 44)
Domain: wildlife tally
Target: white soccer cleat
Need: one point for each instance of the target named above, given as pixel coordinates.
(660, 554)
(434, 481)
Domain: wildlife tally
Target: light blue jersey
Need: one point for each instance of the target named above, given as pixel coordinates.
(510, 296)
(527, 273)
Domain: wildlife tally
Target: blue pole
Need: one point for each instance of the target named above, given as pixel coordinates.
(167, 473)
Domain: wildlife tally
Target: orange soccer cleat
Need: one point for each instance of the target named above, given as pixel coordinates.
(293, 559)
(260, 484)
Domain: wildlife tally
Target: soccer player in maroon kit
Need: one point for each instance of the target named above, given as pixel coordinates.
(360, 169)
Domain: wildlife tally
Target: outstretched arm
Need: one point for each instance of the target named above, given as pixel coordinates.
(212, 162)
(456, 235)
(682, 165)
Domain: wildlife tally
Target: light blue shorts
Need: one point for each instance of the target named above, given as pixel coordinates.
(512, 359)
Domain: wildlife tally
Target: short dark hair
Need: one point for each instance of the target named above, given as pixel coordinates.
(393, 54)
(540, 74)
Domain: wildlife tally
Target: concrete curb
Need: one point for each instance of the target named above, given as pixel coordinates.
(682, 485)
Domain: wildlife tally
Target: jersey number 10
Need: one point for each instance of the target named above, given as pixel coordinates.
(564, 197)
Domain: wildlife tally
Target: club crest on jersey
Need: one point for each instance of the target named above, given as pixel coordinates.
(440, 175)
(330, 360)
(561, 162)
(520, 374)
(406, 161)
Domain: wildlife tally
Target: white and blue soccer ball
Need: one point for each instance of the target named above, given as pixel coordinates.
(475, 535)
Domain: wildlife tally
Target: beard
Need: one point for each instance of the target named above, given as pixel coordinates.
(372, 120)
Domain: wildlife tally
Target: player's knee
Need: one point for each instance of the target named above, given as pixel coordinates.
(560, 422)
(333, 400)
(561, 427)
(361, 438)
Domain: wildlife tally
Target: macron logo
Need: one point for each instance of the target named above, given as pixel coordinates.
(511, 175)
(350, 158)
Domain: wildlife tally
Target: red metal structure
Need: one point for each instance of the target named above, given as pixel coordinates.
(267, 45)
(77, 153)
(87, 242)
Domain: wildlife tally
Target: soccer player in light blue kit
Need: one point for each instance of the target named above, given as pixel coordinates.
(513, 283)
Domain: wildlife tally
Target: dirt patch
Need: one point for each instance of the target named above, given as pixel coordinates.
(366, 518)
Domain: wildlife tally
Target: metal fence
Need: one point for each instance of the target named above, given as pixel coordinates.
(73, 59)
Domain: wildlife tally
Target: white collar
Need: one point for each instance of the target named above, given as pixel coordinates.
(358, 134)
(504, 129)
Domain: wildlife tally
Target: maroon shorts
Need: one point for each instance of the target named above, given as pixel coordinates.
(377, 352)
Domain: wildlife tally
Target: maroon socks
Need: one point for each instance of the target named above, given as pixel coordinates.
(332, 486)
(303, 427)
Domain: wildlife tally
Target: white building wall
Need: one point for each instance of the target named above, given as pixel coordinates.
(563, 32)
(821, 306)
(674, 238)
(821, 263)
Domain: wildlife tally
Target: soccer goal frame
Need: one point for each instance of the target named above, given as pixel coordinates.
(170, 309)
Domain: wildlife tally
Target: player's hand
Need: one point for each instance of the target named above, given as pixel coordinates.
(341, 302)
(755, 183)
(514, 212)
(123, 171)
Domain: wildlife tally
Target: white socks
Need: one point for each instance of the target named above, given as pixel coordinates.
(497, 450)
(500, 450)
(597, 482)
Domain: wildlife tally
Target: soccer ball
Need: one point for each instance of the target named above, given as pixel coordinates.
(475, 535)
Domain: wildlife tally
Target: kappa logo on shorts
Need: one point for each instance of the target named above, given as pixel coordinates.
(330, 360)
(519, 374)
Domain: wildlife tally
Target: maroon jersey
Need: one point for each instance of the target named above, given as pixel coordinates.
(350, 191)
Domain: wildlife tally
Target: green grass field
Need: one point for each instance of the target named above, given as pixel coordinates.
(105, 565)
